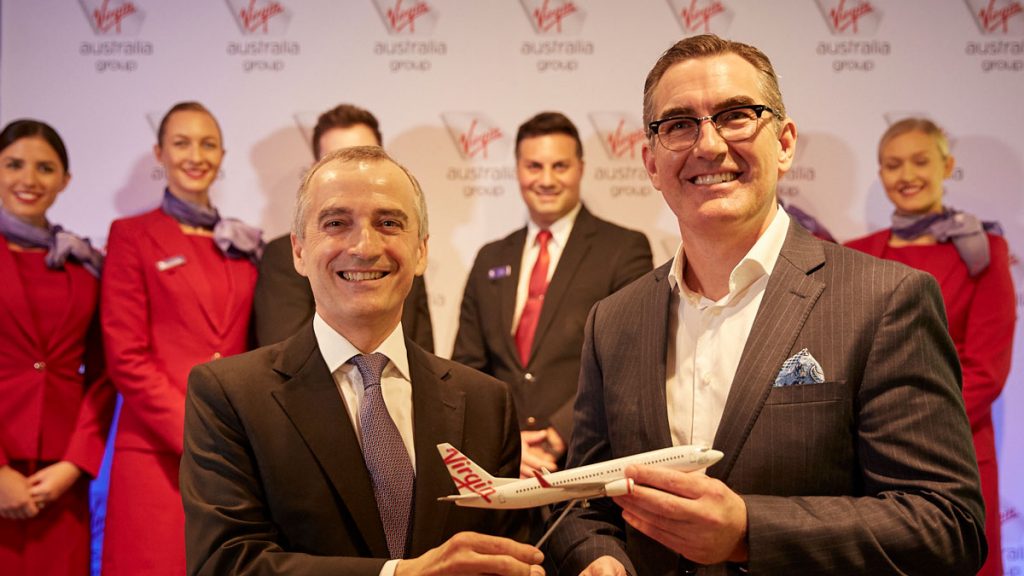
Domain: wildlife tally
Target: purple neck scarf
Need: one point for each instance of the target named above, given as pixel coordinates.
(235, 238)
(59, 243)
(965, 230)
(809, 222)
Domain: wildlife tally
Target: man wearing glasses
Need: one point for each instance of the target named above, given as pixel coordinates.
(827, 378)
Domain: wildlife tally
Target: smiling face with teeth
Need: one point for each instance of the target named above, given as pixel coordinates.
(718, 189)
(361, 246)
(190, 152)
(912, 168)
(31, 176)
(549, 171)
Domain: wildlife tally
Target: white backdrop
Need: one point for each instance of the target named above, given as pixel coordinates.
(451, 80)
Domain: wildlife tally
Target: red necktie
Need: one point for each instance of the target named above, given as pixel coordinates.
(534, 299)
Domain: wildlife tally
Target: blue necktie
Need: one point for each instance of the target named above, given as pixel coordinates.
(385, 455)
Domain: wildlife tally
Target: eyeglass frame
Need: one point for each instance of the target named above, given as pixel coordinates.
(758, 109)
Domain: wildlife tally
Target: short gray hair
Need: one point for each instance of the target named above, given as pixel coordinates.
(354, 154)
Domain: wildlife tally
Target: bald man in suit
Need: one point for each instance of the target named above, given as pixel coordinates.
(318, 455)
(825, 376)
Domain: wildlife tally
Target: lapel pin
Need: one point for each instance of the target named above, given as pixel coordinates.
(499, 272)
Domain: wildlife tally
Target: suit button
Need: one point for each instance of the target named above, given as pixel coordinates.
(216, 355)
(39, 366)
(528, 377)
(531, 420)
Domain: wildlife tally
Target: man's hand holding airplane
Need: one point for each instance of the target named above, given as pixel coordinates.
(541, 450)
(469, 553)
(697, 516)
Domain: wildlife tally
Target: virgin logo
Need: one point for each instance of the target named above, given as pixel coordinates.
(474, 144)
(620, 133)
(404, 19)
(475, 136)
(622, 141)
(464, 476)
(845, 20)
(993, 19)
(254, 18)
(109, 19)
(696, 18)
(548, 18)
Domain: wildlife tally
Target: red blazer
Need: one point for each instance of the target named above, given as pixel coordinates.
(55, 399)
(159, 320)
(981, 313)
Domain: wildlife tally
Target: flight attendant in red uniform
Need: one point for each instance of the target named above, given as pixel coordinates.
(177, 290)
(972, 266)
(55, 401)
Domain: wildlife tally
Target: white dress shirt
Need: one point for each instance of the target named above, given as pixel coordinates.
(395, 381)
(395, 384)
(560, 232)
(706, 338)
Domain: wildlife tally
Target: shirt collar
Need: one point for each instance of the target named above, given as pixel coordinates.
(560, 230)
(759, 261)
(337, 350)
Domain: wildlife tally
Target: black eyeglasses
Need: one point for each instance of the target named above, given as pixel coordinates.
(678, 133)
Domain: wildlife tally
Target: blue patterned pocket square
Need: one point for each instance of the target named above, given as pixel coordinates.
(802, 368)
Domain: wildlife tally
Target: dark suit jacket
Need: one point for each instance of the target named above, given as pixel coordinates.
(273, 478)
(870, 472)
(598, 259)
(283, 301)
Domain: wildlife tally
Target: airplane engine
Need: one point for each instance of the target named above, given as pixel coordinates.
(620, 487)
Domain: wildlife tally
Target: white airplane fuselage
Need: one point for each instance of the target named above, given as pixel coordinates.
(479, 490)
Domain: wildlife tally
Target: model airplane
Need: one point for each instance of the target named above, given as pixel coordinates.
(478, 489)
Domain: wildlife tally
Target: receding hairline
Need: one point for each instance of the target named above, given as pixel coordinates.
(357, 155)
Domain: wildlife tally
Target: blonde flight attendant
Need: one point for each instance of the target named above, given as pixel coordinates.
(972, 264)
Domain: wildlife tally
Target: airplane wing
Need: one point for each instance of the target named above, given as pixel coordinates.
(588, 488)
(457, 497)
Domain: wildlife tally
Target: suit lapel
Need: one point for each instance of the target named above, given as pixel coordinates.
(576, 248)
(314, 406)
(13, 296)
(438, 416)
(511, 254)
(654, 317)
(171, 242)
(788, 299)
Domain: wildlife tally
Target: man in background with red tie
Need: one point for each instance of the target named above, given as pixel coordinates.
(528, 294)
(317, 455)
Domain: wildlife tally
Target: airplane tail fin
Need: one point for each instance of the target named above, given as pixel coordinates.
(469, 477)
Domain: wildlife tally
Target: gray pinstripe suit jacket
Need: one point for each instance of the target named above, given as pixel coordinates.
(870, 472)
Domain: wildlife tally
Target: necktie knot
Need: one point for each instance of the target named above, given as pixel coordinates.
(543, 237)
(370, 367)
